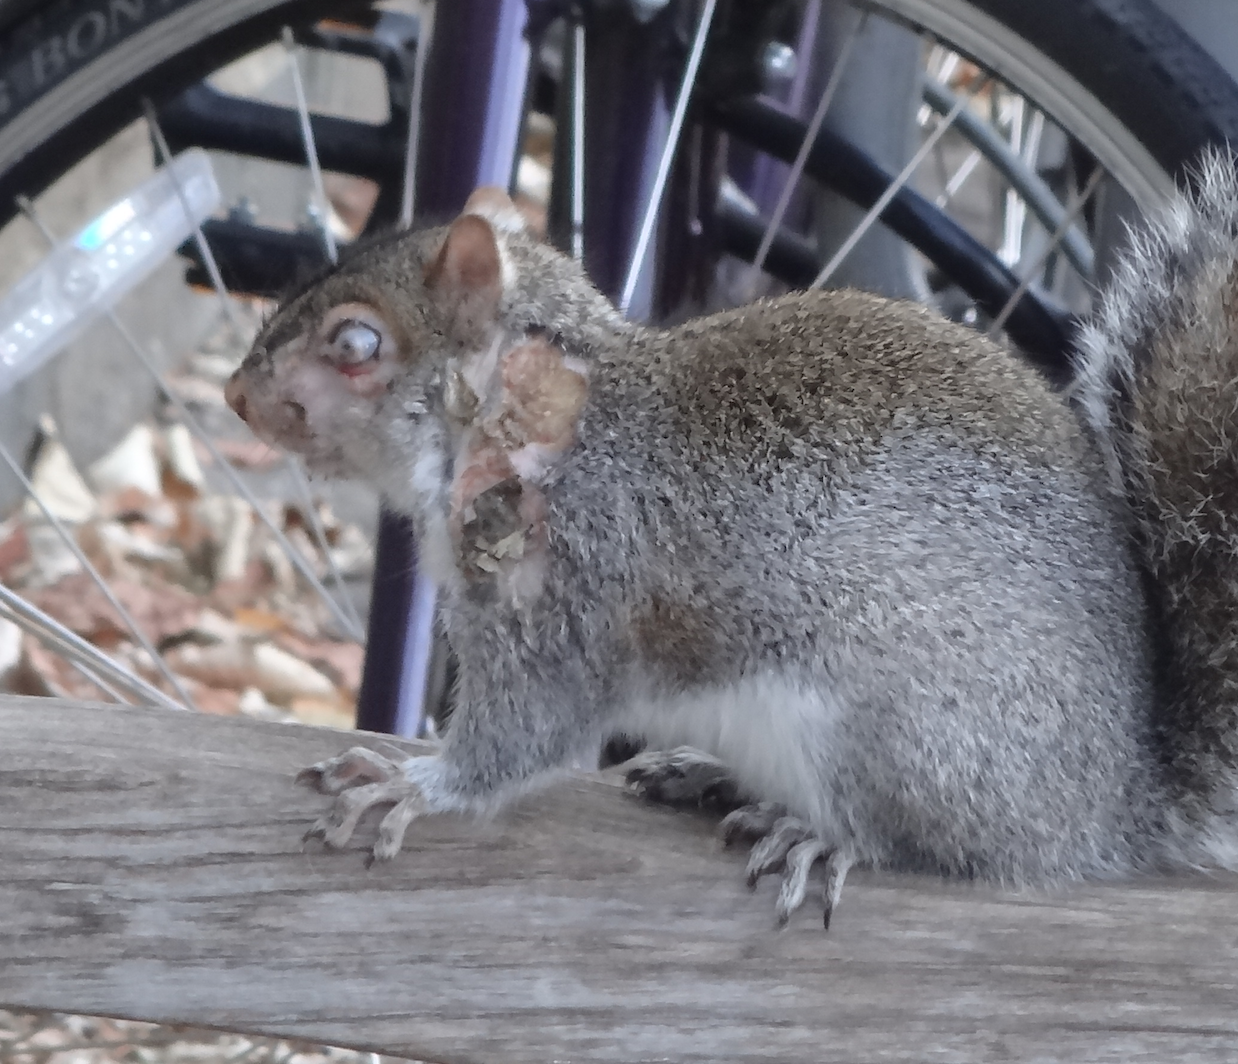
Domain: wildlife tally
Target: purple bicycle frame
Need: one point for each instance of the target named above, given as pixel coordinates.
(470, 116)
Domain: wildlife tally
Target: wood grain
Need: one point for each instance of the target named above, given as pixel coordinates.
(151, 867)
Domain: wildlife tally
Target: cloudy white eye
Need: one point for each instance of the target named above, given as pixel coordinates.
(354, 342)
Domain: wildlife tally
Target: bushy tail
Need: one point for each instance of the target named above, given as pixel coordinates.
(1158, 382)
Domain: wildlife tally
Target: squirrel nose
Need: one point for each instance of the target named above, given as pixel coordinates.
(234, 395)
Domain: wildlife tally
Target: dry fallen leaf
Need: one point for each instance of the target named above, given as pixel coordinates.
(14, 549)
(352, 199)
(230, 523)
(133, 506)
(132, 463)
(259, 620)
(10, 649)
(330, 713)
(161, 611)
(182, 477)
(253, 586)
(58, 483)
(240, 664)
(221, 701)
(340, 660)
(51, 558)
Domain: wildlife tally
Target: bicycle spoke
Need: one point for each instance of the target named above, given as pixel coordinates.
(1015, 214)
(412, 143)
(966, 168)
(320, 538)
(1032, 139)
(70, 541)
(311, 150)
(70, 645)
(578, 140)
(1077, 202)
(874, 212)
(797, 166)
(654, 205)
(164, 157)
(199, 432)
(91, 676)
(1025, 144)
(102, 684)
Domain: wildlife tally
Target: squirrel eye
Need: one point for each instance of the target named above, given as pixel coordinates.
(355, 342)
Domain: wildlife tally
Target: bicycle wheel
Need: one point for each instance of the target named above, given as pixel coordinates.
(1129, 124)
(74, 77)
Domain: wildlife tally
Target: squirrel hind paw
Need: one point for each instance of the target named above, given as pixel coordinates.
(788, 845)
(684, 778)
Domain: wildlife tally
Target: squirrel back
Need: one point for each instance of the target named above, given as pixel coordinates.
(1158, 384)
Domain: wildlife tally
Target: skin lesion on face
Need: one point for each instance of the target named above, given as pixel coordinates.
(542, 397)
(321, 384)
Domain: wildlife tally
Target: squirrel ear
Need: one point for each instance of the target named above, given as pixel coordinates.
(466, 276)
(496, 206)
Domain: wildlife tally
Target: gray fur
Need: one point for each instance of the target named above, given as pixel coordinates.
(860, 554)
(1158, 382)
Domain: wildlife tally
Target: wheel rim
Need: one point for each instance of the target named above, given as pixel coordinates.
(965, 28)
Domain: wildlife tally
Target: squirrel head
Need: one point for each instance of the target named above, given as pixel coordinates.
(419, 339)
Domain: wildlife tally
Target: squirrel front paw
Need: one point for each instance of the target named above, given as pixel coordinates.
(360, 780)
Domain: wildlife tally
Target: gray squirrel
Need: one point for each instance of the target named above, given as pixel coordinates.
(849, 559)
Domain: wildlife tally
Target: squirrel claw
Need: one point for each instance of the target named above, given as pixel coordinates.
(794, 890)
(353, 768)
(336, 827)
(361, 780)
(792, 846)
(750, 822)
(771, 852)
(781, 843)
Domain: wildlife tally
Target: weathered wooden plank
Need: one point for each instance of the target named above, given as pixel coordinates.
(151, 867)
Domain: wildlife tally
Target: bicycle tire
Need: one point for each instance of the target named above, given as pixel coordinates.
(73, 73)
(1146, 110)
(1120, 75)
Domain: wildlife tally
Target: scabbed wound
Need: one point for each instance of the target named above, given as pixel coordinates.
(527, 419)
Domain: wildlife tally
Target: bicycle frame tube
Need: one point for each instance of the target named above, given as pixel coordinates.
(470, 125)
